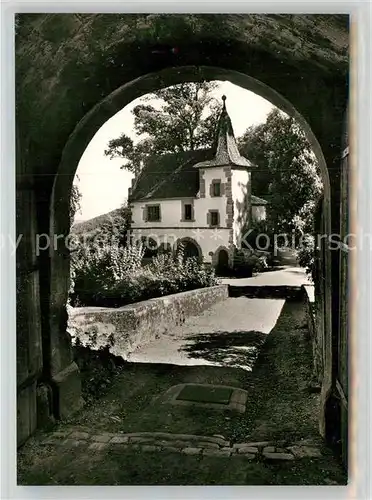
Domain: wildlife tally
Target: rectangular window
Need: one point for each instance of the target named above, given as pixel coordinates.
(216, 189)
(214, 218)
(188, 212)
(153, 213)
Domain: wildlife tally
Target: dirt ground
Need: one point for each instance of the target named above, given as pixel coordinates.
(279, 407)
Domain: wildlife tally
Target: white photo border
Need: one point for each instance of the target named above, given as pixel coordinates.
(360, 465)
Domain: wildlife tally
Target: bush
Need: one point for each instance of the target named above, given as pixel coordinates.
(113, 277)
(306, 255)
(100, 272)
(247, 262)
(98, 368)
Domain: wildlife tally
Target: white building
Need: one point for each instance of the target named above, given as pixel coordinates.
(201, 198)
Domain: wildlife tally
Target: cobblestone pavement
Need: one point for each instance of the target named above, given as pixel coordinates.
(217, 446)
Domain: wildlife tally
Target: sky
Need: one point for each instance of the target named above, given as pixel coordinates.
(104, 186)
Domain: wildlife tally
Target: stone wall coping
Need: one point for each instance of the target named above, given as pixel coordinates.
(145, 303)
(310, 292)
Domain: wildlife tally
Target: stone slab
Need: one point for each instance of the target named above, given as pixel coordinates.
(278, 456)
(237, 395)
(247, 449)
(205, 394)
(191, 451)
(217, 453)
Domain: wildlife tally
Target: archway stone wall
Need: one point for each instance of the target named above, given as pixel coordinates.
(74, 71)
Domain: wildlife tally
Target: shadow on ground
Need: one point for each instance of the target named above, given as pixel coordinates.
(234, 349)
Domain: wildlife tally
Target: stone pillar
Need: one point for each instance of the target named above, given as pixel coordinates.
(28, 335)
(330, 409)
(64, 372)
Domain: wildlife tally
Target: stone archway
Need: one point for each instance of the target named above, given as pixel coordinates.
(106, 61)
(86, 129)
(191, 248)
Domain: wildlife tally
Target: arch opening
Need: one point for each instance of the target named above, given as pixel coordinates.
(191, 249)
(88, 126)
(117, 100)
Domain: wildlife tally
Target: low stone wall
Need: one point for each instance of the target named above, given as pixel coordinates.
(286, 292)
(126, 328)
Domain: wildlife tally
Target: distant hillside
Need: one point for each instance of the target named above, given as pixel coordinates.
(100, 223)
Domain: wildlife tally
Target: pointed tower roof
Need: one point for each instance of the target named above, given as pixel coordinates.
(226, 150)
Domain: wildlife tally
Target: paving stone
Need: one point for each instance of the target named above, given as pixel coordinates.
(278, 456)
(165, 443)
(102, 438)
(149, 439)
(119, 440)
(247, 449)
(269, 449)
(180, 444)
(79, 435)
(239, 397)
(149, 447)
(193, 438)
(171, 448)
(206, 444)
(237, 407)
(305, 451)
(96, 446)
(217, 453)
(237, 446)
(248, 456)
(179, 437)
(192, 451)
(258, 444)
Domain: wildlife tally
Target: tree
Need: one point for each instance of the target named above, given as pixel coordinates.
(185, 120)
(75, 199)
(287, 172)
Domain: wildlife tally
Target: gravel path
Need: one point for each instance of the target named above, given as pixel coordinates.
(227, 334)
(290, 276)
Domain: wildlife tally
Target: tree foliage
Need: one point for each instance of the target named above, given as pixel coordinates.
(75, 200)
(287, 173)
(185, 120)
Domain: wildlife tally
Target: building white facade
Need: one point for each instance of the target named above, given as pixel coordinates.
(204, 204)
